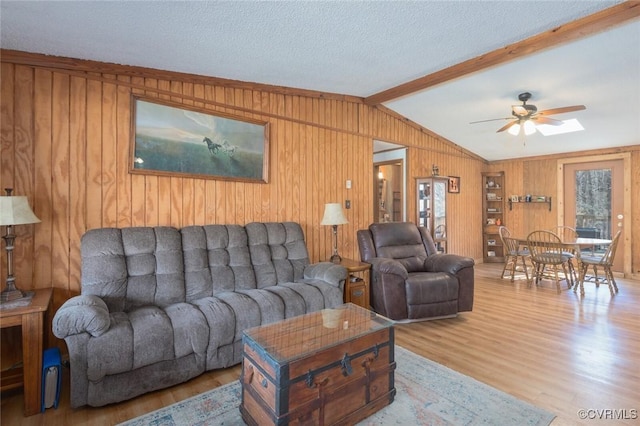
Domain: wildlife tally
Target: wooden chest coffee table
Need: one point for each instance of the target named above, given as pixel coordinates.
(335, 366)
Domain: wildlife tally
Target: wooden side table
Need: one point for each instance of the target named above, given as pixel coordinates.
(356, 288)
(31, 318)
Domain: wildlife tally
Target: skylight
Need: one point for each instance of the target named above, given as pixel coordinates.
(568, 126)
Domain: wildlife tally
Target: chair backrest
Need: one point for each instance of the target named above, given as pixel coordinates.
(545, 247)
(610, 254)
(510, 245)
(402, 241)
(504, 234)
(566, 233)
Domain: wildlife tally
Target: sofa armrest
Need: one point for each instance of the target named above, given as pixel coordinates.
(450, 263)
(389, 266)
(81, 314)
(326, 271)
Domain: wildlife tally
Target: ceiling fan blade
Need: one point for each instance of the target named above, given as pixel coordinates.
(507, 126)
(547, 120)
(492, 119)
(562, 110)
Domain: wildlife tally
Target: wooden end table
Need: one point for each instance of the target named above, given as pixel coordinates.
(356, 288)
(31, 318)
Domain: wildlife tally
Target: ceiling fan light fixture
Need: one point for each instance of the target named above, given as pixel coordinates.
(514, 130)
(529, 127)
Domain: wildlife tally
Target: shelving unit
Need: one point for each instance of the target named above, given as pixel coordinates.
(493, 205)
(432, 208)
(533, 199)
(397, 206)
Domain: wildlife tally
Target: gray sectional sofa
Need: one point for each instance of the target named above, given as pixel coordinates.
(160, 305)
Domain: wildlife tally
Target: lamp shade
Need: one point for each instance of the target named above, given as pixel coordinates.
(333, 215)
(514, 130)
(529, 127)
(16, 211)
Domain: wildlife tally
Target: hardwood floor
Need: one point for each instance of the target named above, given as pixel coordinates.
(560, 352)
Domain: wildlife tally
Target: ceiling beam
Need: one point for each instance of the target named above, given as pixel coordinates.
(571, 31)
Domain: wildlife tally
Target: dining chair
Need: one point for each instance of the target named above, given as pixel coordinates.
(440, 232)
(605, 261)
(565, 233)
(568, 233)
(547, 254)
(512, 253)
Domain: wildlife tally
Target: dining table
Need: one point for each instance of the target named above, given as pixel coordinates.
(574, 245)
(579, 242)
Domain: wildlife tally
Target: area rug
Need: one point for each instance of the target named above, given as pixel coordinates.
(427, 394)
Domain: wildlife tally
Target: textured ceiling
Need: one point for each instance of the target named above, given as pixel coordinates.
(362, 48)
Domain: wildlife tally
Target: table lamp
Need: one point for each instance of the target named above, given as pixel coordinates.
(334, 216)
(13, 211)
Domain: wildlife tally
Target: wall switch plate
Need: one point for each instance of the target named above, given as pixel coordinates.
(348, 185)
(347, 204)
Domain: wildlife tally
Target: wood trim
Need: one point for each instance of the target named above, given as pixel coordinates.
(571, 31)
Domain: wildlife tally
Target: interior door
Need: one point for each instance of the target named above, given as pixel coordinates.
(594, 201)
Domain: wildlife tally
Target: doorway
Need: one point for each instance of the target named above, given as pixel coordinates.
(388, 194)
(594, 202)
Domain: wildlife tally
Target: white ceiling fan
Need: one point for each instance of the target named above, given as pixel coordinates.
(526, 118)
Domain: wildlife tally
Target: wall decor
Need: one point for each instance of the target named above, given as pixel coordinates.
(172, 139)
(454, 184)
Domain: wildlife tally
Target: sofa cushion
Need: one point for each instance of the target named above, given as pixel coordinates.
(133, 267)
(216, 259)
(145, 336)
(278, 252)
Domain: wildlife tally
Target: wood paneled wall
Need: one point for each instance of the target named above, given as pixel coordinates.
(65, 144)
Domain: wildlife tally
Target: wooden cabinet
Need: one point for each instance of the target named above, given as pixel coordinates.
(493, 204)
(32, 319)
(432, 208)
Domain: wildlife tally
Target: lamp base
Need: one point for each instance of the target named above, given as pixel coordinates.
(336, 259)
(24, 300)
(10, 294)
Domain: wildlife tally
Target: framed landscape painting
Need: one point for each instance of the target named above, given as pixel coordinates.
(178, 140)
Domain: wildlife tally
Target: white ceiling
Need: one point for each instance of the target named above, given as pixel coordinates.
(361, 48)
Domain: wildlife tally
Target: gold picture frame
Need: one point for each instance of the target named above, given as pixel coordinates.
(171, 139)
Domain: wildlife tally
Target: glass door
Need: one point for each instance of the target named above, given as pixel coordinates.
(594, 202)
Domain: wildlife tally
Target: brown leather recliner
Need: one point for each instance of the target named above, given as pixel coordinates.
(409, 279)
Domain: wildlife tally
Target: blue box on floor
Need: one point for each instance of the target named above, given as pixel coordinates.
(51, 378)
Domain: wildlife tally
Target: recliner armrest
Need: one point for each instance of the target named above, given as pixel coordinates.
(389, 266)
(450, 263)
(82, 314)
